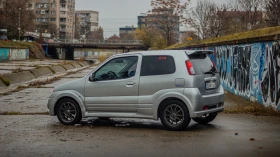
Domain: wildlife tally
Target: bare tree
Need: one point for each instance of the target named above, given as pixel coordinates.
(208, 20)
(97, 34)
(273, 12)
(166, 16)
(251, 12)
(13, 14)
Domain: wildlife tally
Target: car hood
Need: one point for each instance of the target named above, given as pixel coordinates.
(76, 85)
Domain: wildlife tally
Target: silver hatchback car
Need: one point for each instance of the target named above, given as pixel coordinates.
(174, 86)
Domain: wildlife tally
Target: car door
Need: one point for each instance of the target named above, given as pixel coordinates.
(114, 86)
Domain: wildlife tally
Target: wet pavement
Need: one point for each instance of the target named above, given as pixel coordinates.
(228, 135)
(43, 135)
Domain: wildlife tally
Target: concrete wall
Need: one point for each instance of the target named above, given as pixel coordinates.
(250, 70)
(93, 53)
(4, 54)
(19, 54)
(7, 54)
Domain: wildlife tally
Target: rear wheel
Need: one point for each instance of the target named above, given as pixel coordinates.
(206, 118)
(68, 112)
(174, 115)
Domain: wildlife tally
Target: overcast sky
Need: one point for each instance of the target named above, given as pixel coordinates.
(114, 14)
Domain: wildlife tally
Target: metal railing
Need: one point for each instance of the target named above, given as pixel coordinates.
(92, 41)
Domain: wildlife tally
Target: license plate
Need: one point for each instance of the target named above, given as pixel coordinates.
(210, 85)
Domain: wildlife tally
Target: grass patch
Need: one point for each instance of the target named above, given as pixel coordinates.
(243, 106)
(51, 70)
(63, 66)
(48, 81)
(237, 36)
(5, 81)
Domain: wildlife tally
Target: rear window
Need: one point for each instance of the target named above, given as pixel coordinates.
(157, 65)
(201, 63)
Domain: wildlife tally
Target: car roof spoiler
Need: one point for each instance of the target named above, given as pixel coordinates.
(192, 52)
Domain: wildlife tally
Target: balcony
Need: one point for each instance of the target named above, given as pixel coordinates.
(63, 1)
(63, 15)
(62, 29)
(63, 9)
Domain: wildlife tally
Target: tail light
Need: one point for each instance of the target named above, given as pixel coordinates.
(190, 67)
(214, 65)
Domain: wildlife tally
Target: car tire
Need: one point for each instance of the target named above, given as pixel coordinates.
(174, 115)
(205, 120)
(68, 112)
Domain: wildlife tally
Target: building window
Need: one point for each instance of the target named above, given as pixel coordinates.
(53, 12)
(38, 5)
(53, 19)
(53, 5)
(45, 5)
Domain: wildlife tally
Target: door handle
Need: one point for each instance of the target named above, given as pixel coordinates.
(130, 83)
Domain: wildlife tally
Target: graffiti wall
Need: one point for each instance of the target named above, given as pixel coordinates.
(250, 70)
(93, 53)
(19, 54)
(4, 54)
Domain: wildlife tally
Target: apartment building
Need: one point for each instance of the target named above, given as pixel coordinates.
(87, 21)
(56, 17)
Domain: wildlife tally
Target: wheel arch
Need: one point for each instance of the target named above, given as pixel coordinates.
(73, 96)
(169, 97)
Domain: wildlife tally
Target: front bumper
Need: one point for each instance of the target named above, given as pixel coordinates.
(51, 104)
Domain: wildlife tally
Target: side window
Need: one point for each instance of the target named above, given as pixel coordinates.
(119, 68)
(157, 65)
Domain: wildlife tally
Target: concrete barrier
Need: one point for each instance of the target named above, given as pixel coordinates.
(58, 69)
(68, 66)
(86, 63)
(82, 64)
(19, 77)
(2, 84)
(76, 65)
(41, 72)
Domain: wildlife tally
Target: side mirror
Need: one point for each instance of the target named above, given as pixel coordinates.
(92, 77)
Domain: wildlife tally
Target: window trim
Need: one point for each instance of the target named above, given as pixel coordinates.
(107, 63)
(175, 69)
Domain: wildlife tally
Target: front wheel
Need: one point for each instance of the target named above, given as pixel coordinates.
(174, 115)
(206, 118)
(68, 112)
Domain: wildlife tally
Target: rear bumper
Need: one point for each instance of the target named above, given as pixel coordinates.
(198, 102)
(201, 113)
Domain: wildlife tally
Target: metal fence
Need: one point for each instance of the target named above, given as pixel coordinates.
(90, 41)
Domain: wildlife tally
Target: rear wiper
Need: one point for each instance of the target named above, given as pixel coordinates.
(212, 71)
